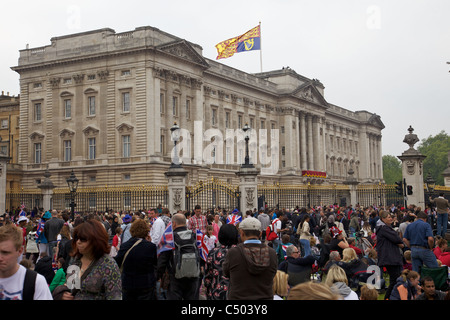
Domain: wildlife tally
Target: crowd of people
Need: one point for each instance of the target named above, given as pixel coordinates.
(320, 253)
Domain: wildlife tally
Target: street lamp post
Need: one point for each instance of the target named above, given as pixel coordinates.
(72, 182)
(247, 131)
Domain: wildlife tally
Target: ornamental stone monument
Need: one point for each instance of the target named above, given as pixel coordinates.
(412, 171)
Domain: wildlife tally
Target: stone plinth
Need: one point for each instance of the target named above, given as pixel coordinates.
(248, 187)
(176, 176)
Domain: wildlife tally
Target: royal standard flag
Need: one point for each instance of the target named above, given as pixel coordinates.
(251, 40)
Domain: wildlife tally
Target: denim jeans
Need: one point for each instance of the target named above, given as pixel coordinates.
(306, 247)
(422, 256)
(442, 220)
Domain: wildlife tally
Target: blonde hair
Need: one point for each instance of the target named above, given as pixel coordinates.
(407, 255)
(409, 274)
(280, 283)
(336, 274)
(312, 291)
(368, 293)
(13, 233)
(348, 255)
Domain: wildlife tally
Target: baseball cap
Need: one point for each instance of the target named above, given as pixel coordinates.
(250, 223)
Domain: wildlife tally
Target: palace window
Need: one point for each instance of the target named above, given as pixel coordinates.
(126, 102)
(67, 108)
(126, 146)
(37, 152)
(67, 150)
(91, 106)
(91, 148)
(37, 111)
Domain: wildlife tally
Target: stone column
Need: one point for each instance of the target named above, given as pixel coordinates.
(310, 143)
(47, 191)
(412, 170)
(176, 176)
(316, 143)
(3, 163)
(304, 163)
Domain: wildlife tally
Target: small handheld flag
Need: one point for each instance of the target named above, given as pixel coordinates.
(166, 243)
(203, 249)
(234, 219)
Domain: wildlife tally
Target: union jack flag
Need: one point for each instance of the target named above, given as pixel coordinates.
(166, 243)
(22, 212)
(234, 219)
(40, 228)
(203, 249)
(284, 247)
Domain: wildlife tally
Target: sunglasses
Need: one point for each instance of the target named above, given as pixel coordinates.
(82, 239)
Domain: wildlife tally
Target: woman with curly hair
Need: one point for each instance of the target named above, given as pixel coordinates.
(138, 259)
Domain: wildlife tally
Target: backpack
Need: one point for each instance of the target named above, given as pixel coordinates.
(186, 255)
(270, 234)
(29, 285)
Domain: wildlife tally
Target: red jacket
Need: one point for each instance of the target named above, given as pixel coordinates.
(445, 258)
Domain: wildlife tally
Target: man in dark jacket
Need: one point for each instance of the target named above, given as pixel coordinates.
(299, 269)
(251, 266)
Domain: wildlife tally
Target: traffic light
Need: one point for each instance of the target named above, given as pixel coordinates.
(399, 187)
(409, 190)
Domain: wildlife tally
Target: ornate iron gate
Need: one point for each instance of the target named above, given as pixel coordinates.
(212, 194)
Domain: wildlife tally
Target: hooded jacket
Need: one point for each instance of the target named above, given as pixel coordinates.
(344, 291)
(389, 253)
(251, 268)
(403, 290)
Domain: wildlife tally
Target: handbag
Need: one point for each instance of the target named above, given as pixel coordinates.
(126, 254)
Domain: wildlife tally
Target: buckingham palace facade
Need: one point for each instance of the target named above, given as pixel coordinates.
(102, 104)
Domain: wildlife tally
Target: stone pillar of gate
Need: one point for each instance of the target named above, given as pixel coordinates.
(248, 188)
(176, 176)
(352, 183)
(3, 164)
(47, 187)
(412, 171)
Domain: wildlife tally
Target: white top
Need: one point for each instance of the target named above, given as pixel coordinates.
(276, 225)
(210, 241)
(11, 288)
(157, 230)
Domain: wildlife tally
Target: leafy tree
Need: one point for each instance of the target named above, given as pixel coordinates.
(436, 149)
(392, 169)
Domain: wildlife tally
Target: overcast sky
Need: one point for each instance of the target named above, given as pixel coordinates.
(387, 57)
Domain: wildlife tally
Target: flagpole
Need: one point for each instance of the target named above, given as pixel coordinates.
(260, 46)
